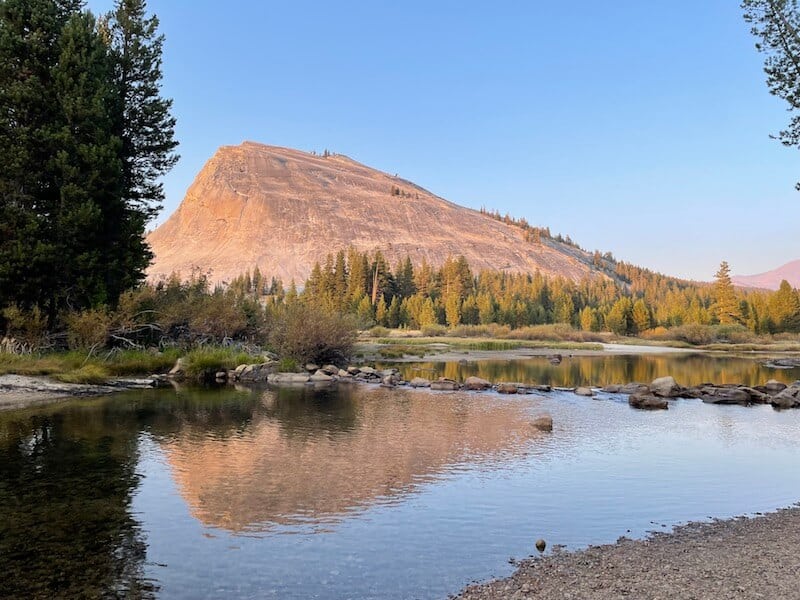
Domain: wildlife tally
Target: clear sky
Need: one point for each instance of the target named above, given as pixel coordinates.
(636, 127)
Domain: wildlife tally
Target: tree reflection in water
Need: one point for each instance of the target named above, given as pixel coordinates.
(687, 369)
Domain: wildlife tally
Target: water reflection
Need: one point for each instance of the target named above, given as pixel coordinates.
(688, 370)
(156, 493)
(316, 456)
(66, 482)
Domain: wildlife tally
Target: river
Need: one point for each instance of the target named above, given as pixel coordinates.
(362, 492)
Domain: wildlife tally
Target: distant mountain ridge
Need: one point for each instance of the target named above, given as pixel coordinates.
(282, 210)
(771, 280)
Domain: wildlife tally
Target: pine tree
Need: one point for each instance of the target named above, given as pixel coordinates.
(726, 304)
(393, 314)
(784, 308)
(29, 49)
(86, 223)
(381, 312)
(146, 126)
(452, 308)
(640, 316)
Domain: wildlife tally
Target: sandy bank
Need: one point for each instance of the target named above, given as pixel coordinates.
(739, 558)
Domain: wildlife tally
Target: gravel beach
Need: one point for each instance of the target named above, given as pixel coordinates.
(744, 558)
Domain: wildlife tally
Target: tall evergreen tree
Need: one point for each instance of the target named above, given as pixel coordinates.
(146, 126)
(85, 224)
(29, 49)
(726, 305)
(784, 308)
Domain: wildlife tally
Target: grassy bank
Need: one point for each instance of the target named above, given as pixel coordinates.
(396, 343)
(83, 367)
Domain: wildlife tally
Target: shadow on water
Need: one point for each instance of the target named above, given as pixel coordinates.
(687, 369)
(68, 473)
(66, 481)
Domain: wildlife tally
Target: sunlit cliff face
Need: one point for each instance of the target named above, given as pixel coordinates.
(282, 210)
(291, 464)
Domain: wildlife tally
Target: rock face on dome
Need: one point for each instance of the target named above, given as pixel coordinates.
(282, 210)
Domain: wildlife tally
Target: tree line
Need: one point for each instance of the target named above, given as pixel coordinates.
(634, 301)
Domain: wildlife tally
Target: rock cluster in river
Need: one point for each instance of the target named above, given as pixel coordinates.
(657, 394)
(653, 396)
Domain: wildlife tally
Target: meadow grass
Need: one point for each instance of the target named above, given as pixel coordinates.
(84, 367)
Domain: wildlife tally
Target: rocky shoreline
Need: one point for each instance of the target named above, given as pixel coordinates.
(653, 396)
(754, 557)
(20, 391)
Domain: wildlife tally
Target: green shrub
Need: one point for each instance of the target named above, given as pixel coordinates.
(312, 334)
(288, 365)
(491, 330)
(27, 327)
(378, 331)
(141, 362)
(204, 361)
(433, 330)
(87, 329)
(557, 332)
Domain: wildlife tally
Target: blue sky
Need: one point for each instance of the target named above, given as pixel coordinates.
(636, 127)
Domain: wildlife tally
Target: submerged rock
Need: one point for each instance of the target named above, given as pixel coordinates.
(584, 391)
(783, 363)
(614, 388)
(284, 378)
(419, 382)
(508, 388)
(647, 402)
(445, 385)
(555, 359)
(724, 395)
(543, 423)
(634, 388)
(320, 376)
(476, 383)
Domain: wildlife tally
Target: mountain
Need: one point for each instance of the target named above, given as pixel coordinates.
(771, 280)
(282, 210)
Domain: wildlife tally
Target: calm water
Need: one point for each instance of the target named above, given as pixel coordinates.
(357, 492)
(688, 369)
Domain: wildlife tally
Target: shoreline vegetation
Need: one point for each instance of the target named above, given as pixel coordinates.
(33, 378)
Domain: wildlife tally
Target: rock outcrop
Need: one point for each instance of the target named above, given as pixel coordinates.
(282, 210)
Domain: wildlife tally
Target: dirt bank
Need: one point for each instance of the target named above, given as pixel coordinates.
(739, 558)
